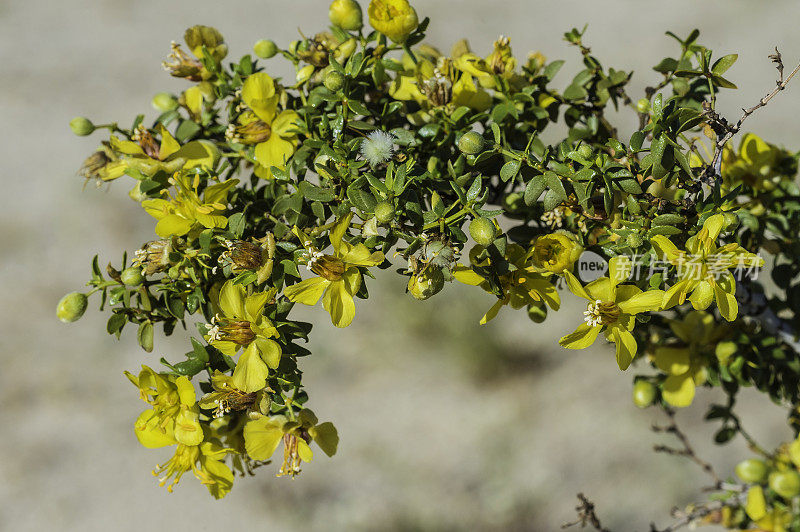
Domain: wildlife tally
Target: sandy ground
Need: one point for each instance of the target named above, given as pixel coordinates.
(443, 426)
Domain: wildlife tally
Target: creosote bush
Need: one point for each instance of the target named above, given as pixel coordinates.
(386, 153)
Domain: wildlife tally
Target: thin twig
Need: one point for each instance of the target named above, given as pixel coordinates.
(729, 131)
(687, 449)
(586, 515)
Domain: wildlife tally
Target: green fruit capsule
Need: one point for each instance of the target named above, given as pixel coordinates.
(81, 126)
(333, 81)
(265, 49)
(644, 393)
(346, 14)
(384, 212)
(785, 483)
(132, 276)
(482, 231)
(471, 143)
(585, 151)
(427, 283)
(164, 101)
(752, 470)
(643, 106)
(71, 307)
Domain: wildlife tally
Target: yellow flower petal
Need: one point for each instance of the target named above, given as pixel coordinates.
(678, 390)
(466, 275)
(625, 345)
(262, 436)
(307, 292)
(251, 372)
(270, 351)
(326, 436)
(231, 300)
(173, 225)
(360, 255)
(274, 151)
(304, 451)
(602, 289)
(672, 360)
(643, 302)
(149, 434)
(258, 92)
(582, 337)
(493, 311)
(339, 304)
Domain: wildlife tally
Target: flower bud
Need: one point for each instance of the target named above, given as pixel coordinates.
(198, 36)
(634, 240)
(585, 151)
(644, 393)
(304, 74)
(753, 471)
(265, 49)
(426, 283)
(333, 80)
(384, 212)
(394, 18)
(643, 106)
(164, 101)
(81, 126)
(482, 231)
(346, 14)
(537, 313)
(471, 143)
(132, 276)
(71, 307)
(785, 483)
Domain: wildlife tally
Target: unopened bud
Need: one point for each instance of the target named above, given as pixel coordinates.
(346, 14)
(384, 212)
(265, 49)
(71, 307)
(81, 126)
(333, 81)
(164, 101)
(132, 276)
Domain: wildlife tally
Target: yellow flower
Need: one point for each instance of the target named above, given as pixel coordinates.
(555, 253)
(394, 18)
(272, 132)
(243, 325)
(263, 435)
(204, 461)
(186, 211)
(339, 276)
(227, 396)
(756, 164)
(685, 365)
(521, 286)
(174, 415)
(703, 269)
(144, 154)
(612, 308)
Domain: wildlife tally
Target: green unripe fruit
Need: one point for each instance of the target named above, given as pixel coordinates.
(752, 470)
(537, 313)
(785, 483)
(333, 81)
(585, 151)
(471, 143)
(81, 126)
(482, 231)
(427, 283)
(71, 307)
(132, 276)
(164, 101)
(265, 49)
(643, 106)
(384, 212)
(644, 393)
(346, 14)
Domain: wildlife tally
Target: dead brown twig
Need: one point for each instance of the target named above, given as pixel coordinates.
(687, 450)
(586, 515)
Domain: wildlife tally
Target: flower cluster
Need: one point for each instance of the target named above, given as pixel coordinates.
(268, 192)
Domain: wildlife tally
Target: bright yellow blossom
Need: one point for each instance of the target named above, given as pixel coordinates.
(522, 286)
(703, 269)
(685, 364)
(394, 18)
(555, 253)
(339, 276)
(757, 164)
(243, 325)
(271, 131)
(186, 210)
(263, 435)
(612, 308)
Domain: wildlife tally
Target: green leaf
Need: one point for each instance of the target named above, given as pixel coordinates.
(510, 170)
(723, 64)
(236, 224)
(474, 191)
(145, 336)
(555, 185)
(534, 189)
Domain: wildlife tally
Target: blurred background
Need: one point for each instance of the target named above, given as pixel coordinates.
(444, 425)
